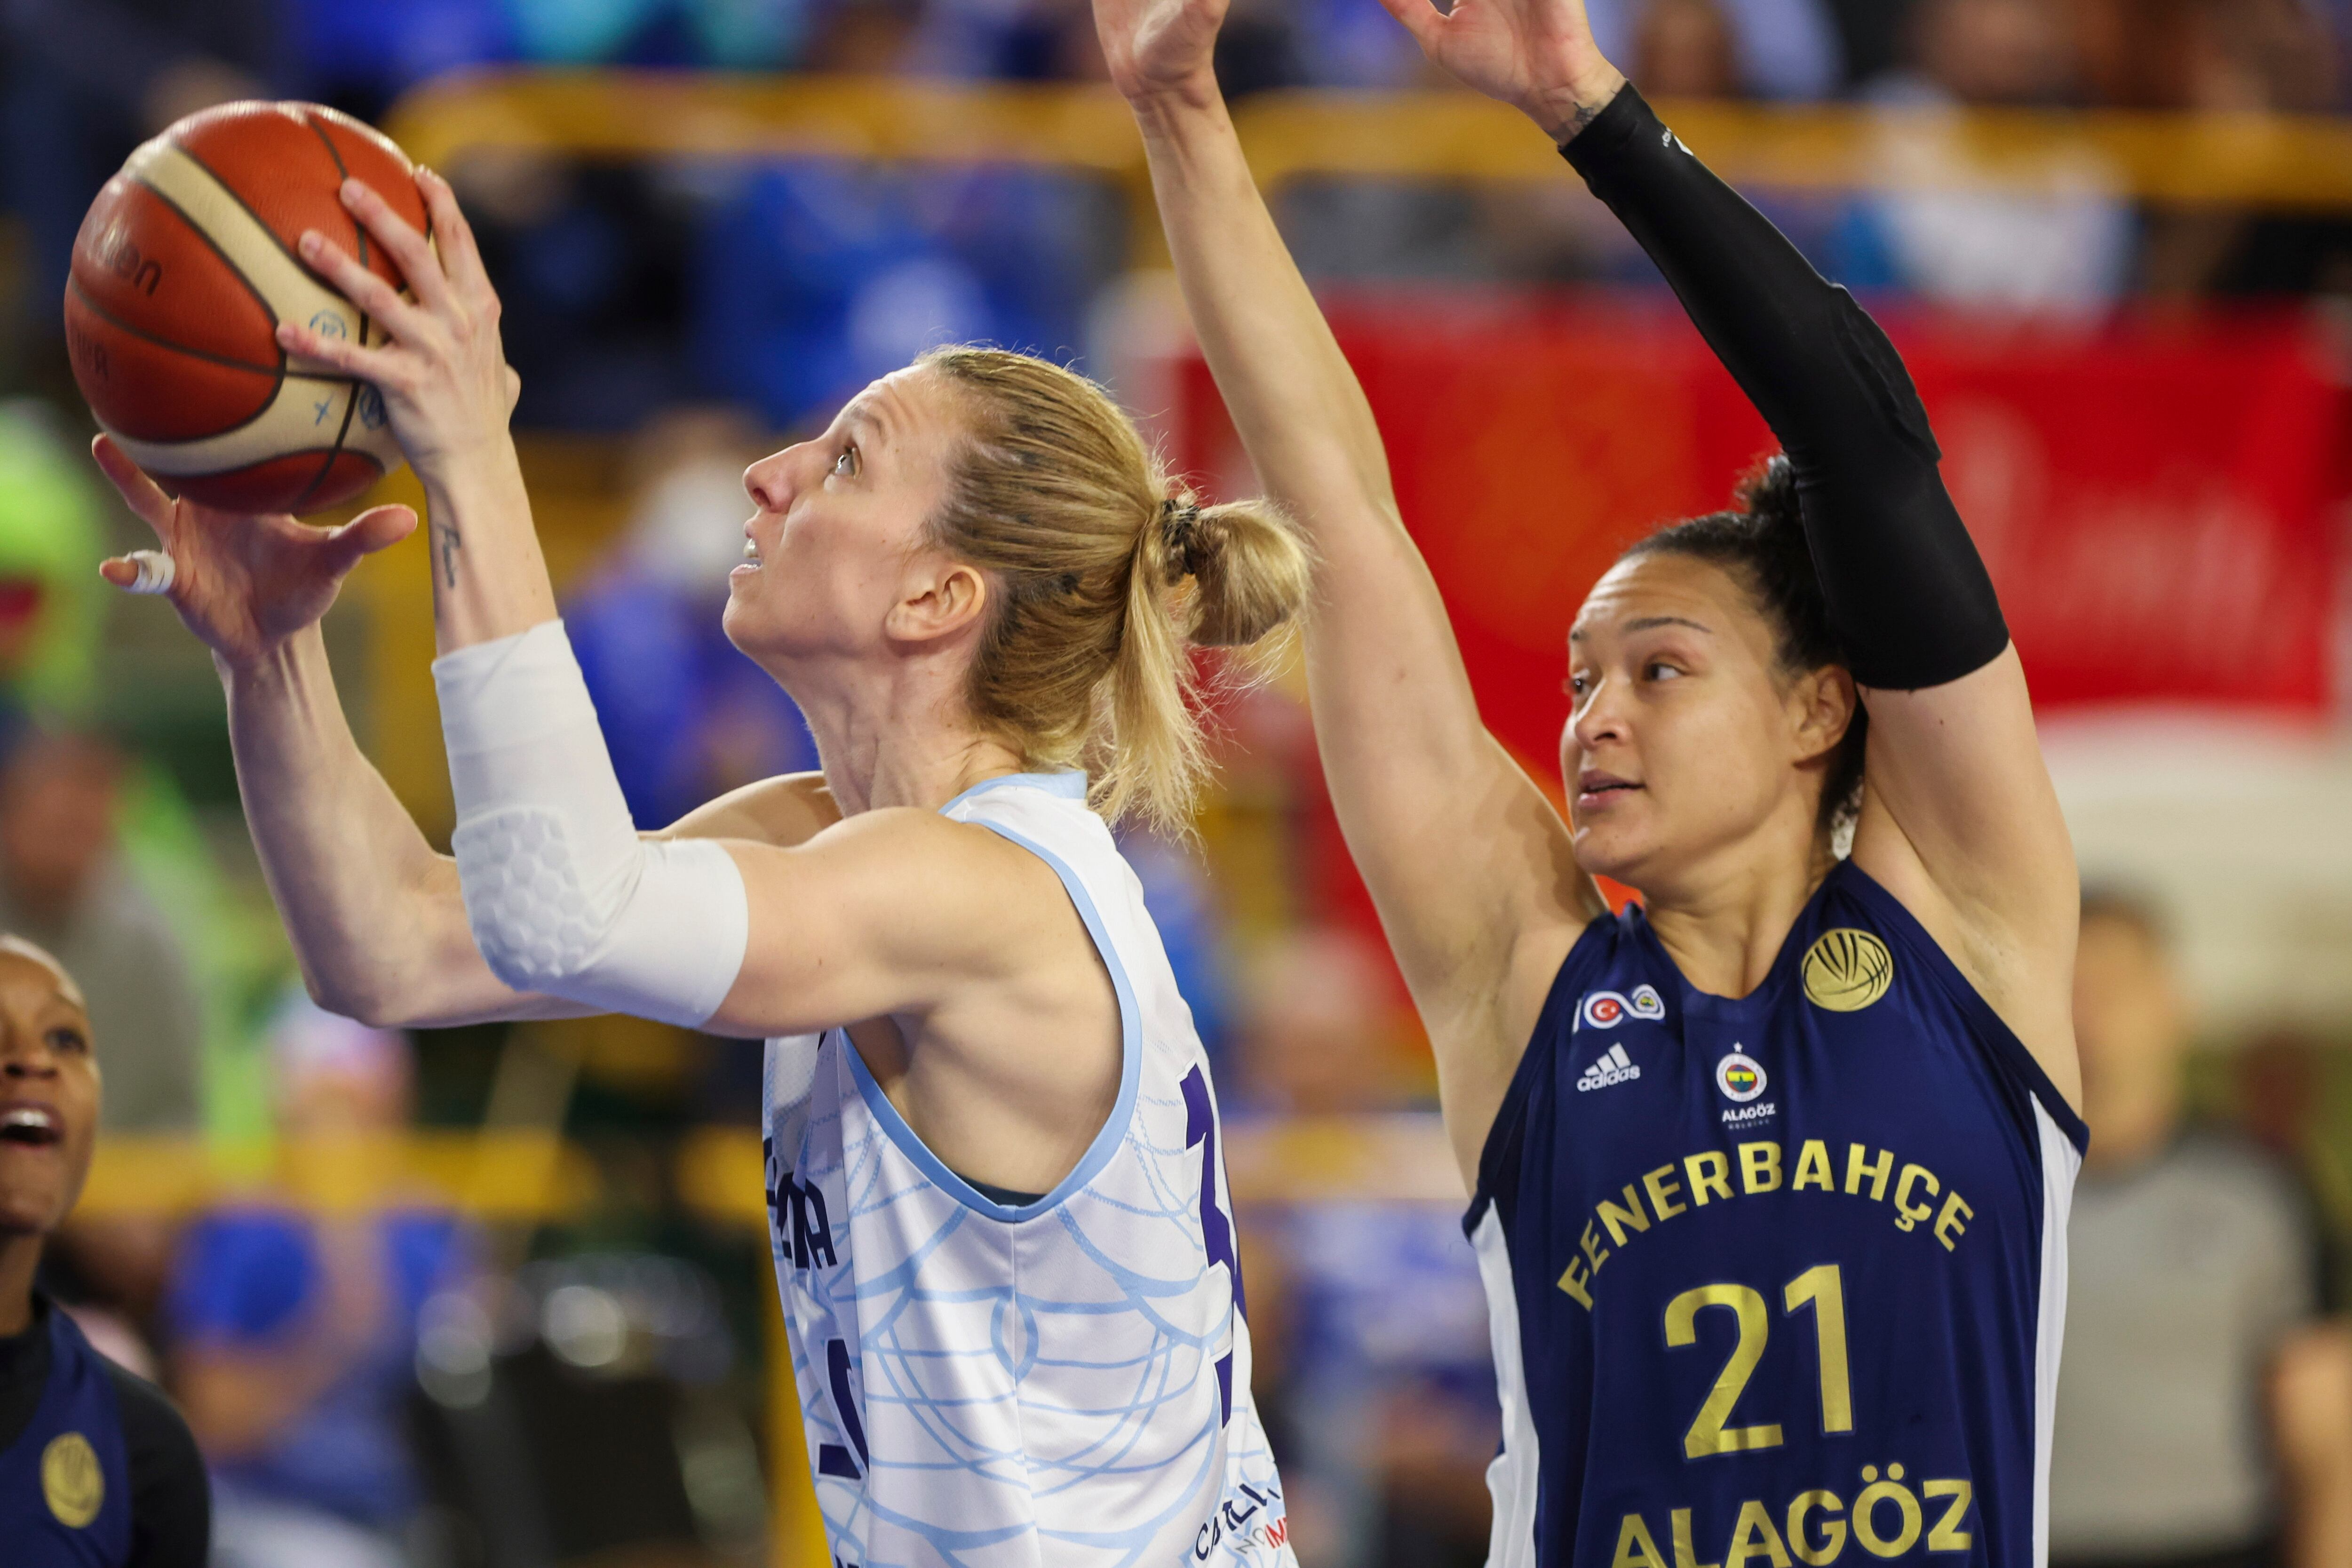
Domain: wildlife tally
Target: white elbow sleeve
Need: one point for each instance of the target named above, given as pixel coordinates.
(563, 898)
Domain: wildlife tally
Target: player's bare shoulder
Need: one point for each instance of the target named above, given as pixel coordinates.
(783, 810)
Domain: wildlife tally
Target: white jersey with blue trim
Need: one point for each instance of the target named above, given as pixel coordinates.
(1063, 1384)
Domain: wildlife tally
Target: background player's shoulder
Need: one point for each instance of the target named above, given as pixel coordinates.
(2233, 1168)
(170, 1493)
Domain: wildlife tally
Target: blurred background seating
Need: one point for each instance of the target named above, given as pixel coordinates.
(2199, 1282)
(516, 1277)
(294, 1334)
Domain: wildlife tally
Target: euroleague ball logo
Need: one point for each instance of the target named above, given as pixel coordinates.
(1847, 970)
(1740, 1077)
(1607, 1009)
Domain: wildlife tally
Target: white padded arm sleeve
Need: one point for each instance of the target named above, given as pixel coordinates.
(565, 899)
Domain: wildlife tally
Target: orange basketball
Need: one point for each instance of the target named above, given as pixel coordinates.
(181, 274)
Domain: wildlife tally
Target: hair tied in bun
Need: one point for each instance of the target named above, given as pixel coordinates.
(1179, 531)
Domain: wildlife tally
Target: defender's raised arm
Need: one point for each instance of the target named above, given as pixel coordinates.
(1469, 864)
(1957, 817)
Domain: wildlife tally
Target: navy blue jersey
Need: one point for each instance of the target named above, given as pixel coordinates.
(64, 1481)
(1776, 1280)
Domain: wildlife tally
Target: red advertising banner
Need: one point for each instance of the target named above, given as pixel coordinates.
(2162, 502)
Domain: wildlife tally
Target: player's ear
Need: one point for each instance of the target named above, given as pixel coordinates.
(939, 599)
(1822, 707)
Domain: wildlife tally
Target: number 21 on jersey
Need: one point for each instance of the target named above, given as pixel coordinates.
(1820, 1288)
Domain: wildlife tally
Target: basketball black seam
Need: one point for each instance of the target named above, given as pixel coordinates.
(227, 260)
(276, 371)
(358, 228)
(242, 424)
(167, 481)
(278, 385)
(351, 406)
(230, 191)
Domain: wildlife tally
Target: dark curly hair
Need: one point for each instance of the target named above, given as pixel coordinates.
(1761, 542)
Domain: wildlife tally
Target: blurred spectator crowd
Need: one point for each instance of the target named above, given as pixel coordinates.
(393, 1385)
(780, 286)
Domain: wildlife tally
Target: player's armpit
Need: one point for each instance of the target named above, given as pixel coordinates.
(1962, 824)
(1479, 894)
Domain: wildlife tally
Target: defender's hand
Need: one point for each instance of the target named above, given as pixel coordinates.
(1536, 55)
(1161, 48)
(244, 584)
(444, 379)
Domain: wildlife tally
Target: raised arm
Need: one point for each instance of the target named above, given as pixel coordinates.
(372, 911)
(560, 894)
(1470, 866)
(375, 914)
(1959, 820)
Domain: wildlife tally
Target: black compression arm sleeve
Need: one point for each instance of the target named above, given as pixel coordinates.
(1908, 595)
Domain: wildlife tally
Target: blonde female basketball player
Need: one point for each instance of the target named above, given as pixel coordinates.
(1770, 1177)
(999, 1214)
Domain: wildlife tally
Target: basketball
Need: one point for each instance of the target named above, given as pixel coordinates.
(182, 272)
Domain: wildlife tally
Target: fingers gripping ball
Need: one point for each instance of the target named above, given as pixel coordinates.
(185, 267)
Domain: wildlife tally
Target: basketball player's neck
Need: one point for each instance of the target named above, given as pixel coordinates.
(20, 1257)
(1723, 914)
(900, 738)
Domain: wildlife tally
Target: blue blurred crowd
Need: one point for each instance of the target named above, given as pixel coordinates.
(779, 287)
(704, 306)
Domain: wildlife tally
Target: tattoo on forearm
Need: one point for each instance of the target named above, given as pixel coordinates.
(445, 544)
(1586, 113)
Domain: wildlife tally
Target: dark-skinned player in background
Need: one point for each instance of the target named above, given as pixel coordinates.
(1771, 1176)
(97, 1470)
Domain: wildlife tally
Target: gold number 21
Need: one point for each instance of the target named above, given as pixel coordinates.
(1819, 1287)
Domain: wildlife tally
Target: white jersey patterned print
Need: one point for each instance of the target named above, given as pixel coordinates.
(1064, 1385)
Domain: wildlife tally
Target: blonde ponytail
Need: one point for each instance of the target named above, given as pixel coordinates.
(1105, 581)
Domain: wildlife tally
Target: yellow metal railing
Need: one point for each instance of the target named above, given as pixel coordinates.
(2269, 161)
(494, 1175)
(2260, 159)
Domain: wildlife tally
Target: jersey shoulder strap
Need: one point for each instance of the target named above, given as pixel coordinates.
(1848, 885)
(1590, 957)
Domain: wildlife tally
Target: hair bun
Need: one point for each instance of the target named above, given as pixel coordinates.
(1769, 495)
(1179, 535)
(1249, 569)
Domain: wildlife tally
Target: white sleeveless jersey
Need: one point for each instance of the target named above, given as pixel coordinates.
(1064, 1385)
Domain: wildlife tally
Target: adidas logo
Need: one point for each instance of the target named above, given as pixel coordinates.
(1611, 1066)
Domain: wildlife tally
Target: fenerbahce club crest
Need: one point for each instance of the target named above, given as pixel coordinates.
(71, 1481)
(1846, 970)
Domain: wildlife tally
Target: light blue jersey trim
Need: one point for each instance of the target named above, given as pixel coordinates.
(1131, 1029)
(1070, 784)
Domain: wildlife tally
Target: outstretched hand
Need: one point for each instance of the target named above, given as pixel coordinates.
(1536, 55)
(1157, 49)
(244, 584)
